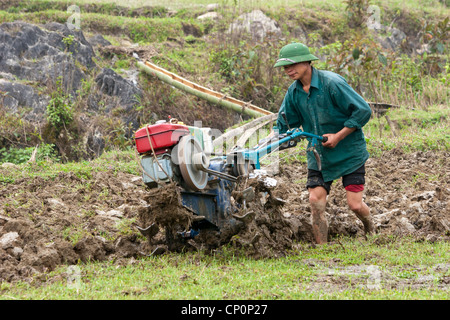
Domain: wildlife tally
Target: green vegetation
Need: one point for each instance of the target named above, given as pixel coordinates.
(415, 76)
(407, 129)
(115, 161)
(410, 270)
(59, 110)
(410, 129)
(417, 85)
(44, 152)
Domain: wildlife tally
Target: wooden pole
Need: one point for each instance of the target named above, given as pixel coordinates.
(201, 92)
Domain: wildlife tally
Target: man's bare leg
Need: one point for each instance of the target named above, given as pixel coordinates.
(318, 202)
(362, 211)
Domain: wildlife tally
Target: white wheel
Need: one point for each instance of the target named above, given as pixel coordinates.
(191, 160)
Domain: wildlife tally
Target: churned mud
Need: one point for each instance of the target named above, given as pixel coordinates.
(69, 219)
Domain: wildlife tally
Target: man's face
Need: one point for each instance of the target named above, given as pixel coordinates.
(297, 70)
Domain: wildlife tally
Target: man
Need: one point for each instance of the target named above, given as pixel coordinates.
(323, 103)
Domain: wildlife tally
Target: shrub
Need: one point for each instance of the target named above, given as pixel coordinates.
(59, 109)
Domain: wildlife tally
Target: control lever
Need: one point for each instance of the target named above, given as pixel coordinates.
(285, 120)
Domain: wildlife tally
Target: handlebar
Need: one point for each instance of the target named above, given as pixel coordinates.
(322, 138)
(290, 139)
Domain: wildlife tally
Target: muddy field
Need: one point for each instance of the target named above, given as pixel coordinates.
(46, 223)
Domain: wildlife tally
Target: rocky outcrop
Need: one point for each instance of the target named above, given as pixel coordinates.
(35, 60)
(18, 95)
(114, 85)
(44, 55)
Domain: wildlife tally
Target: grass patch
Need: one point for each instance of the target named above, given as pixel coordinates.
(410, 129)
(115, 161)
(379, 268)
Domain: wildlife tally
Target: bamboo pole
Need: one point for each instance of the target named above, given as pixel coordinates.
(240, 130)
(202, 92)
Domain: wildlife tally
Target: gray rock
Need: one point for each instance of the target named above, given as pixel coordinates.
(212, 6)
(33, 58)
(406, 225)
(21, 95)
(54, 203)
(98, 40)
(113, 84)
(8, 240)
(257, 24)
(80, 48)
(10, 166)
(416, 207)
(95, 142)
(394, 38)
(210, 15)
(16, 252)
(300, 34)
(44, 56)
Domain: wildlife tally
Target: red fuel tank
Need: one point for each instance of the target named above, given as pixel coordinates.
(162, 136)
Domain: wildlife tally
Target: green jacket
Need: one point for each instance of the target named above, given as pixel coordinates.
(330, 106)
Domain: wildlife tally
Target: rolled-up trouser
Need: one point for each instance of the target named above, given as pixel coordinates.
(352, 182)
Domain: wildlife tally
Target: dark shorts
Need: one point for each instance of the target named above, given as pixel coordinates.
(315, 179)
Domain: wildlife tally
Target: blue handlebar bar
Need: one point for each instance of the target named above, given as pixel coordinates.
(294, 134)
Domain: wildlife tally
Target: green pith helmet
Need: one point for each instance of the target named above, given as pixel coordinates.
(294, 53)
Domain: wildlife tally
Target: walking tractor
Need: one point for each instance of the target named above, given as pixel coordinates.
(174, 152)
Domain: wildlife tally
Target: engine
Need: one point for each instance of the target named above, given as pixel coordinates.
(173, 152)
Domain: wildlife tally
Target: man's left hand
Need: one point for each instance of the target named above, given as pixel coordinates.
(332, 141)
(334, 138)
